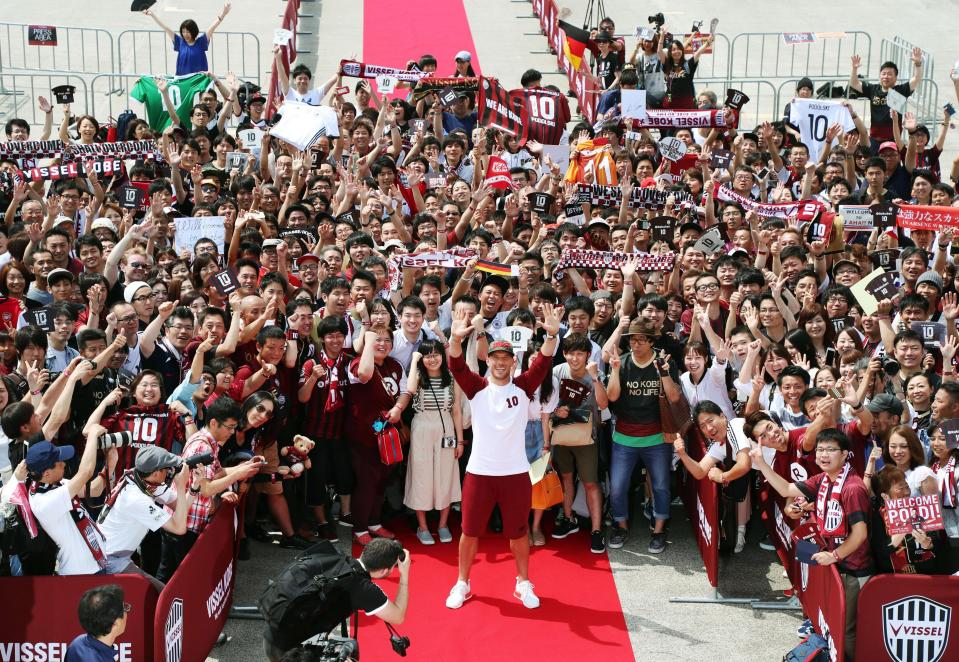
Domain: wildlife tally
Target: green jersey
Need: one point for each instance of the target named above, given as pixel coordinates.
(182, 90)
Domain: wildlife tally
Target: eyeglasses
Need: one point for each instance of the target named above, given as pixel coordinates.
(708, 287)
(231, 428)
(181, 327)
(127, 319)
(144, 297)
(137, 265)
(822, 451)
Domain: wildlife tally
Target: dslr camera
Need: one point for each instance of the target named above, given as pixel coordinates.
(657, 19)
(114, 439)
(331, 648)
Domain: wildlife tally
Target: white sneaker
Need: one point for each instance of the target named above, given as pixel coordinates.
(459, 594)
(740, 542)
(524, 593)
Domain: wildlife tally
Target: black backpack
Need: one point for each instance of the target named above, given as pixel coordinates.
(309, 597)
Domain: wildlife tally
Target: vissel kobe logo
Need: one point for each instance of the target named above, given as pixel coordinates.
(915, 629)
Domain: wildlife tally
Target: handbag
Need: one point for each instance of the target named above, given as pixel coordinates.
(675, 417)
(389, 442)
(572, 434)
(547, 492)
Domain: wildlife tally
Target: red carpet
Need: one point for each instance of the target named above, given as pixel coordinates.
(396, 32)
(579, 617)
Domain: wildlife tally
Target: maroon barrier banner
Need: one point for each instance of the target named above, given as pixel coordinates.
(701, 498)
(780, 530)
(194, 605)
(908, 617)
(38, 616)
(822, 595)
(580, 82)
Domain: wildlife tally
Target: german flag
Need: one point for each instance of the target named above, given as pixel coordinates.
(496, 268)
(574, 42)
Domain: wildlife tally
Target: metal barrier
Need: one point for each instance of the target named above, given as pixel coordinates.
(78, 50)
(765, 55)
(899, 51)
(716, 64)
(19, 92)
(151, 52)
(110, 95)
(763, 103)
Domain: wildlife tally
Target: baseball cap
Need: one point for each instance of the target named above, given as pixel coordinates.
(130, 290)
(392, 243)
(885, 402)
(272, 243)
(604, 36)
(598, 221)
(154, 458)
(690, 225)
(842, 263)
(307, 257)
(61, 219)
(889, 144)
(641, 327)
(500, 346)
(44, 455)
(256, 98)
(103, 223)
(58, 275)
(464, 56)
(213, 181)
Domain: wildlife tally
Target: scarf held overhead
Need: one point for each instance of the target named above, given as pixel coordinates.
(355, 69)
(580, 257)
(782, 210)
(641, 198)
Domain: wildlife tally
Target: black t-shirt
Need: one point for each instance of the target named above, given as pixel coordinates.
(679, 81)
(606, 68)
(164, 361)
(878, 110)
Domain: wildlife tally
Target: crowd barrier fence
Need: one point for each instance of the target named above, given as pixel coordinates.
(78, 50)
(150, 52)
(181, 624)
(19, 92)
(766, 55)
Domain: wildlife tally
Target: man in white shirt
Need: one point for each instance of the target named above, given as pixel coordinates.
(140, 503)
(498, 471)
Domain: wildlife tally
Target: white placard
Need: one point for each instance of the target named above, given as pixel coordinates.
(672, 149)
(634, 104)
(385, 84)
(517, 336)
(645, 33)
(856, 217)
(301, 124)
(558, 154)
(281, 37)
(190, 229)
(251, 138)
(896, 101)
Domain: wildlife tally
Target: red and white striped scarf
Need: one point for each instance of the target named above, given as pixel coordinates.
(948, 481)
(355, 69)
(829, 512)
(641, 198)
(334, 395)
(577, 257)
(768, 210)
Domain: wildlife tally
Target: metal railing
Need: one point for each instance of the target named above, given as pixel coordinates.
(765, 55)
(899, 51)
(150, 52)
(763, 103)
(19, 92)
(78, 50)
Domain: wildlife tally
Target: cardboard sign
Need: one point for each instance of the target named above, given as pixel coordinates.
(419, 124)
(865, 298)
(42, 35)
(236, 160)
(281, 37)
(645, 33)
(190, 229)
(720, 158)
(517, 336)
(447, 97)
(819, 230)
(251, 138)
(672, 149)
(950, 428)
(130, 197)
(735, 99)
(884, 215)
(541, 203)
(385, 84)
(662, 228)
(225, 282)
(840, 323)
(886, 259)
(64, 94)
(896, 101)
(933, 334)
(40, 317)
(883, 287)
(435, 180)
(856, 217)
(633, 104)
(794, 38)
(710, 241)
(572, 392)
(921, 512)
(574, 214)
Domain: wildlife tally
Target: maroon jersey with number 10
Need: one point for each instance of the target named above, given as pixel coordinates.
(547, 114)
(148, 426)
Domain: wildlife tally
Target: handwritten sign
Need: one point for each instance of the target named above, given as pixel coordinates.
(856, 217)
(904, 515)
(672, 149)
(190, 229)
(634, 104)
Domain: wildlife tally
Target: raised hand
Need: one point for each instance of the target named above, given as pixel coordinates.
(552, 317)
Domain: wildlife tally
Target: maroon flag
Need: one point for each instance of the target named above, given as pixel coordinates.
(499, 109)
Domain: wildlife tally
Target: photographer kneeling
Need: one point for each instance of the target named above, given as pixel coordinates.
(321, 589)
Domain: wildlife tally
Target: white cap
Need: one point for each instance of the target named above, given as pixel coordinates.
(130, 290)
(465, 56)
(104, 222)
(62, 219)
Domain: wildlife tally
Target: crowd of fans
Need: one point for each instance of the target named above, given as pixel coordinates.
(327, 334)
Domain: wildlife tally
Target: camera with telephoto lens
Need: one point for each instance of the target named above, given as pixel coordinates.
(890, 365)
(657, 19)
(201, 458)
(114, 439)
(331, 648)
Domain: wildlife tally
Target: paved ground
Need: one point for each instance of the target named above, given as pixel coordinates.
(507, 43)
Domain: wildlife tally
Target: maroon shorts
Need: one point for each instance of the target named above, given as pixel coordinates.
(513, 494)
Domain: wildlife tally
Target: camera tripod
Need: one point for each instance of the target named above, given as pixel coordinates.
(594, 9)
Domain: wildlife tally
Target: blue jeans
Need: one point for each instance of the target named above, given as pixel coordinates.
(657, 460)
(534, 440)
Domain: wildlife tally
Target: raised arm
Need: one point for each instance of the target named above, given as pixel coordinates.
(156, 19)
(854, 82)
(219, 19)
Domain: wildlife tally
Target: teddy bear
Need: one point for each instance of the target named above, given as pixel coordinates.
(298, 456)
